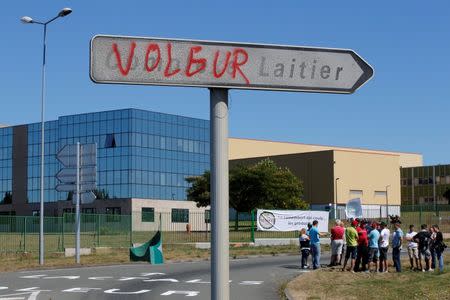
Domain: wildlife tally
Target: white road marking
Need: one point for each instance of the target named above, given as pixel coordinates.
(100, 278)
(115, 291)
(198, 281)
(186, 293)
(33, 276)
(161, 280)
(62, 277)
(251, 282)
(80, 290)
(34, 295)
(152, 274)
(131, 278)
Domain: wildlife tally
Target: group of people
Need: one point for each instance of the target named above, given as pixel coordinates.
(364, 245)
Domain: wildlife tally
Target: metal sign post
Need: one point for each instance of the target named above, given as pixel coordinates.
(78, 176)
(220, 66)
(77, 207)
(219, 195)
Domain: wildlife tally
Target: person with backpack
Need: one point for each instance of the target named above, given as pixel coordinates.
(439, 247)
(423, 239)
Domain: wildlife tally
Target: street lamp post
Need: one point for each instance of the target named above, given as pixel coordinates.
(336, 198)
(27, 20)
(387, 204)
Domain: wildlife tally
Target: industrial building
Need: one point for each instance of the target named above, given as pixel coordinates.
(141, 155)
(333, 175)
(425, 185)
(144, 158)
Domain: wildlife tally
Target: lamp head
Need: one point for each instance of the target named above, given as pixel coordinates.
(26, 20)
(65, 11)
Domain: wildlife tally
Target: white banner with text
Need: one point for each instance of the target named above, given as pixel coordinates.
(290, 220)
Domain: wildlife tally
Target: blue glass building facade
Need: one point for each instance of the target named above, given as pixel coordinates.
(141, 154)
(5, 164)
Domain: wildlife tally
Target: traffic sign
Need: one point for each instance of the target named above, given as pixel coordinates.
(86, 198)
(155, 61)
(68, 155)
(84, 187)
(69, 175)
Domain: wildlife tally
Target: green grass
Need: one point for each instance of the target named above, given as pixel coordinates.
(22, 261)
(334, 284)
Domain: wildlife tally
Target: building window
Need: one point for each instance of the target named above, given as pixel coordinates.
(148, 214)
(113, 214)
(180, 215)
(356, 193)
(89, 210)
(68, 210)
(380, 194)
(110, 141)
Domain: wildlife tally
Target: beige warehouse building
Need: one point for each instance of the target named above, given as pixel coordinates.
(334, 175)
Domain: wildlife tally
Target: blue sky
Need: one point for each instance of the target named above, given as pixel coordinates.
(405, 107)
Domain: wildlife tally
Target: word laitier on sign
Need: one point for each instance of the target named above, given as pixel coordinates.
(228, 65)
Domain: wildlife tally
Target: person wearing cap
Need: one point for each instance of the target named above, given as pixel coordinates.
(337, 242)
(397, 239)
(351, 237)
(363, 249)
(373, 237)
(384, 246)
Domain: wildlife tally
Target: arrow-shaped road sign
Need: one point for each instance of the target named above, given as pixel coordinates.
(68, 155)
(142, 60)
(69, 175)
(85, 198)
(84, 187)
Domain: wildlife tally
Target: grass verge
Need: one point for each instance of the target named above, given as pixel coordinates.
(334, 284)
(172, 252)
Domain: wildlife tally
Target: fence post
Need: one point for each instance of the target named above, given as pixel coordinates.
(252, 235)
(98, 230)
(420, 215)
(62, 232)
(25, 235)
(131, 230)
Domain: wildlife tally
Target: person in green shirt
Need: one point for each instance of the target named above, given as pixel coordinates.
(351, 237)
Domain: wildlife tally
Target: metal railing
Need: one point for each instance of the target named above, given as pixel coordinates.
(21, 233)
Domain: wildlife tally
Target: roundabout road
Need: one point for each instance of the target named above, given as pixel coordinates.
(252, 278)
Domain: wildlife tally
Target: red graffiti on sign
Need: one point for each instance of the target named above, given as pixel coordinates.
(119, 61)
(196, 63)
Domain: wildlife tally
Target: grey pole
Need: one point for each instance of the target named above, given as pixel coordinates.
(219, 195)
(336, 199)
(27, 20)
(77, 208)
(412, 187)
(41, 211)
(387, 204)
(434, 189)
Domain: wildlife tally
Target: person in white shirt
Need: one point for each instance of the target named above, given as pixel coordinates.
(413, 250)
(384, 245)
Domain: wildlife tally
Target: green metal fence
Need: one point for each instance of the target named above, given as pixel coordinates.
(21, 233)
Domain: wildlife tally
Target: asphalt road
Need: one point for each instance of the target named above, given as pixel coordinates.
(252, 278)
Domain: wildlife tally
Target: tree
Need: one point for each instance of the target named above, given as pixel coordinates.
(447, 195)
(199, 190)
(262, 185)
(7, 199)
